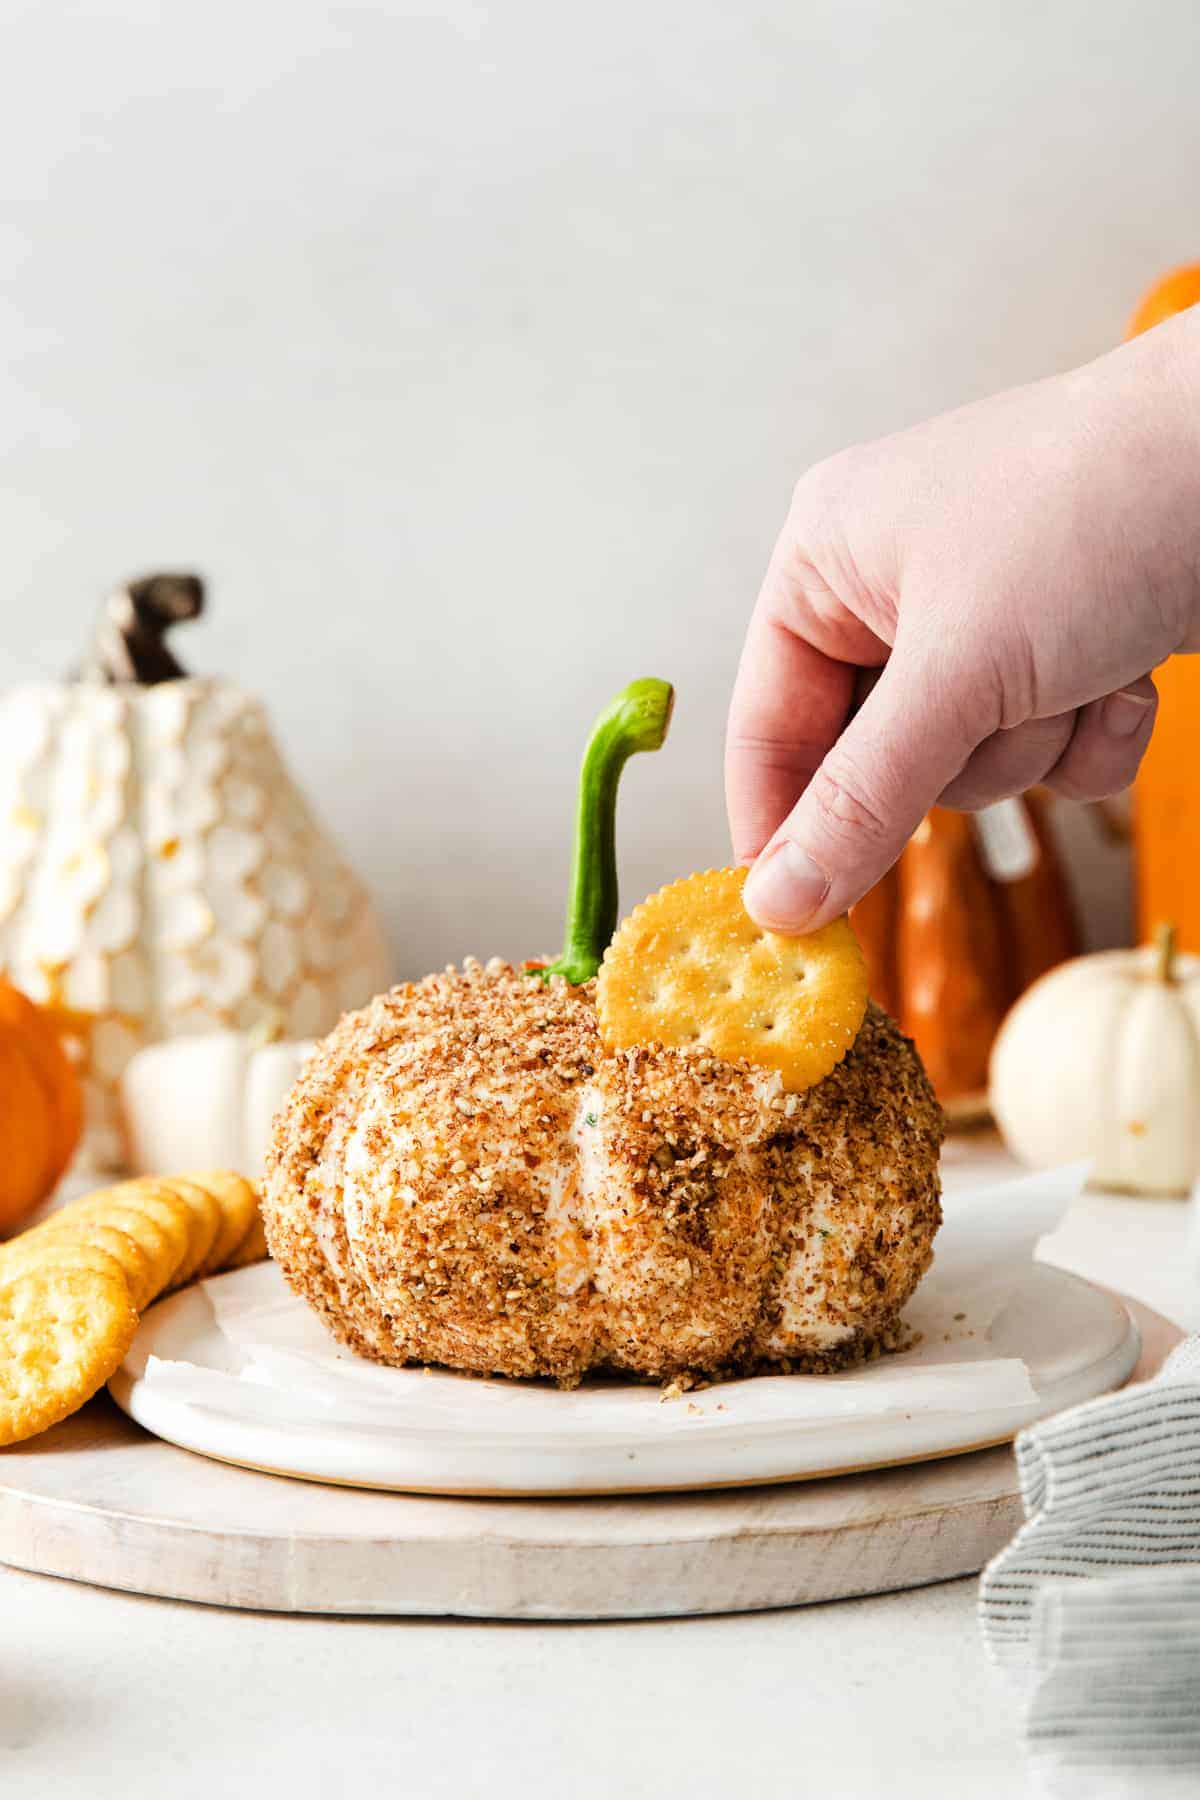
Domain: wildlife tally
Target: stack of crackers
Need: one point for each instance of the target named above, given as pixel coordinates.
(72, 1286)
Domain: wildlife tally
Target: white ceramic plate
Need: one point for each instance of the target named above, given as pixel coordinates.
(435, 1432)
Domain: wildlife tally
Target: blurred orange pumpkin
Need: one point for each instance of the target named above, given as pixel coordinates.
(41, 1106)
(1172, 293)
(1166, 818)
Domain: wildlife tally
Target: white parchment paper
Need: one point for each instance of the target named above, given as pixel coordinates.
(267, 1355)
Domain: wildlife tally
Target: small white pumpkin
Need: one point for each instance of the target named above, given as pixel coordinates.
(206, 1102)
(160, 872)
(1100, 1060)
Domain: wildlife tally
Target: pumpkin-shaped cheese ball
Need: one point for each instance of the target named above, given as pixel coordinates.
(471, 1172)
(464, 1174)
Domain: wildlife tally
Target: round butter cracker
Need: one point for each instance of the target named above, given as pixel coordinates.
(689, 968)
(157, 1223)
(253, 1247)
(57, 1251)
(239, 1208)
(63, 1332)
(204, 1223)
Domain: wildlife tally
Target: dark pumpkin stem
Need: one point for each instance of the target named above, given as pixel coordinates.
(636, 720)
(129, 645)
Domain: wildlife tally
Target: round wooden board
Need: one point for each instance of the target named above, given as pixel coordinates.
(99, 1500)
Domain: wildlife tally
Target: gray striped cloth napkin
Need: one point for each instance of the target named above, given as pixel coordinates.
(1094, 1608)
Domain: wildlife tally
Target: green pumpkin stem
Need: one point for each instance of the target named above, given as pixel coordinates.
(636, 720)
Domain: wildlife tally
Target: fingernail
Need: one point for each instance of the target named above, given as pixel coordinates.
(785, 887)
(1123, 714)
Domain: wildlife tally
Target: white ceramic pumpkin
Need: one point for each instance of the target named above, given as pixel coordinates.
(160, 872)
(1100, 1060)
(207, 1101)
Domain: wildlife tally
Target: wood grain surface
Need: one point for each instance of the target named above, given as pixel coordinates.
(99, 1500)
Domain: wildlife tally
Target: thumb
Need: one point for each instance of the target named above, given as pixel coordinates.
(906, 743)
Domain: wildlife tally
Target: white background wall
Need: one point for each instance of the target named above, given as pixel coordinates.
(472, 352)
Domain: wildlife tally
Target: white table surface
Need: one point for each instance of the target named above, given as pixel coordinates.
(107, 1694)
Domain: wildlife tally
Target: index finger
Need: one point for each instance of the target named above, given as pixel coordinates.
(790, 702)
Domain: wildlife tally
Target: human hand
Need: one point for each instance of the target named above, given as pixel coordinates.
(994, 586)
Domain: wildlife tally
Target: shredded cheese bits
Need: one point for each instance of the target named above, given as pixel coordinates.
(689, 966)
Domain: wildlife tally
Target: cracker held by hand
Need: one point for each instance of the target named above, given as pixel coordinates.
(690, 968)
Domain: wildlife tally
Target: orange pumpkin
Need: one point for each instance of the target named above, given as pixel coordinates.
(1172, 293)
(41, 1106)
(1166, 819)
(975, 909)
